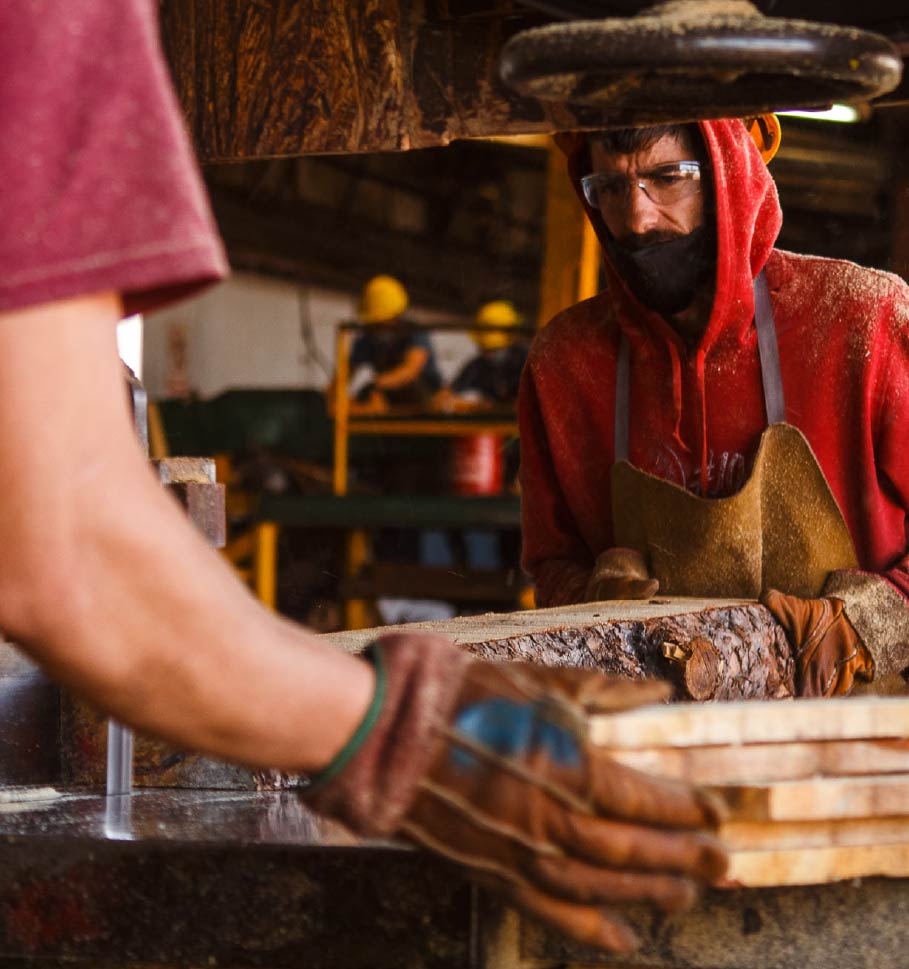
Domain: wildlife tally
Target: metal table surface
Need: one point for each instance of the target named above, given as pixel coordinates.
(227, 878)
(206, 878)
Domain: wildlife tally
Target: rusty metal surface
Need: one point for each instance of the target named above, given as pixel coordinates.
(29, 721)
(29, 726)
(192, 482)
(182, 469)
(205, 505)
(196, 879)
(83, 756)
(245, 880)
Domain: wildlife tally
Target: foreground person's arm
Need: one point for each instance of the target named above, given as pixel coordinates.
(489, 765)
(105, 583)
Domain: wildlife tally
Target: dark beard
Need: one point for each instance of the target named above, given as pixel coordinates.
(664, 270)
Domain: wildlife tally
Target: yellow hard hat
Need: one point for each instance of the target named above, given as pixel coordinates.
(766, 133)
(499, 312)
(383, 299)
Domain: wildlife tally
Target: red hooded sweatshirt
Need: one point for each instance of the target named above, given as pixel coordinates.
(697, 415)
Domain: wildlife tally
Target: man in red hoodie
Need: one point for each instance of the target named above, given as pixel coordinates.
(725, 418)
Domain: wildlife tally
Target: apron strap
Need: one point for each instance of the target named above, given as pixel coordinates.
(622, 399)
(768, 351)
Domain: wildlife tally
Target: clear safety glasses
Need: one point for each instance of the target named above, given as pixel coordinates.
(663, 185)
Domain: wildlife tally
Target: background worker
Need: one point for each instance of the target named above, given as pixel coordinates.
(714, 366)
(487, 381)
(109, 588)
(493, 376)
(402, 361)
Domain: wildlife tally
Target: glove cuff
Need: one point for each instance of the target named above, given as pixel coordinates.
(879, 613)
(371, 783)
(360, 735)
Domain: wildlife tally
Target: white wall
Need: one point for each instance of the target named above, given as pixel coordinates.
(249, 331)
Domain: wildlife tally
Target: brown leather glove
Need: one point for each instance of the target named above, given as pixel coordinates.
(829, 654)
(488, 765)
(620, 573)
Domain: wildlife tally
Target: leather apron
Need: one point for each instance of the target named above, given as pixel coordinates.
(783, 530)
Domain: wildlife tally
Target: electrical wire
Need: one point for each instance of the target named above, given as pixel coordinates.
(308, 335)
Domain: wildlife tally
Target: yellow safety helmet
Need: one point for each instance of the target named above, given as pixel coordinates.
(383, 299)
(766, 133)
(499, 312)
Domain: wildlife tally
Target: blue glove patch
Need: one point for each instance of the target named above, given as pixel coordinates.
(514, 730)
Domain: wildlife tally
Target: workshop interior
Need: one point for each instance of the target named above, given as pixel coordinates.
(389, 179)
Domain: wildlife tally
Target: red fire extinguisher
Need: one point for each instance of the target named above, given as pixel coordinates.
(477, 465)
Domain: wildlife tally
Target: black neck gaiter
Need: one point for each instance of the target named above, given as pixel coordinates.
(667, 275)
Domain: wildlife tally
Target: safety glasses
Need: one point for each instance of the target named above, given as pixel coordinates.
(663, 185)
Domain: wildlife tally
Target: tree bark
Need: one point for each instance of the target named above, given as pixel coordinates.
(717, 649)
(725, 653)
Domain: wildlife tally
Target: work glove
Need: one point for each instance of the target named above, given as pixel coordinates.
(488, 765)
(620, 573)
(829, 653)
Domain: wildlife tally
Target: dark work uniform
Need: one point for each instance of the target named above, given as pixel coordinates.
(495, 376)
(387, 349)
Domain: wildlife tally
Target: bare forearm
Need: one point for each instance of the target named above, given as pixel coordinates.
(111, 589)
(406, 373)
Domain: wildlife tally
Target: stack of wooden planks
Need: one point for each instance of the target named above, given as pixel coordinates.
(817, 790)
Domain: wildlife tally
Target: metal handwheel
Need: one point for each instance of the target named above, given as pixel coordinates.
(687, 59)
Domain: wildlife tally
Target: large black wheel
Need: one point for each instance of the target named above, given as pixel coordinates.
(688, 59)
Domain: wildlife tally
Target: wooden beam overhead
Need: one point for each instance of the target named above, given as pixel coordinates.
(290, 77)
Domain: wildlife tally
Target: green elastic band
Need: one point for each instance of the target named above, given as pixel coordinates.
(358, 738)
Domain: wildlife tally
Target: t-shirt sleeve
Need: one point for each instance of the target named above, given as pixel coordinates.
(362, 352)
(468, 377)
(420, 341)
(100, 190)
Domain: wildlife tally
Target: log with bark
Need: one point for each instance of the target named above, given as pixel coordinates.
(710, 649)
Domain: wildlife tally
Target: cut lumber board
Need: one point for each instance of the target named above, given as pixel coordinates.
(820, 799)
(747, 647)
(815, 866)
(789, 835)
(702, 725)
(750, 763)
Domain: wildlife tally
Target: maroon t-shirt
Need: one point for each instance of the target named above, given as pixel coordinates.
(98, 186)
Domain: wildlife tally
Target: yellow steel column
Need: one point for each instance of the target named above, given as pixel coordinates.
(265, 563)
(356, 556)
(157, 439)
(356, 543)
(571, 251)
(589, 266)
(342, 410)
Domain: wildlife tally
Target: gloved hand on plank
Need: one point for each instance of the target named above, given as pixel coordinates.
(620, 573)
(829, 654)
(489, 765)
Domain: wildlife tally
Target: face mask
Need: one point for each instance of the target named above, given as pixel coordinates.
(666, 276)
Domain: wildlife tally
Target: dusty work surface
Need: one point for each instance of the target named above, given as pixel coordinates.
(238, 880)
